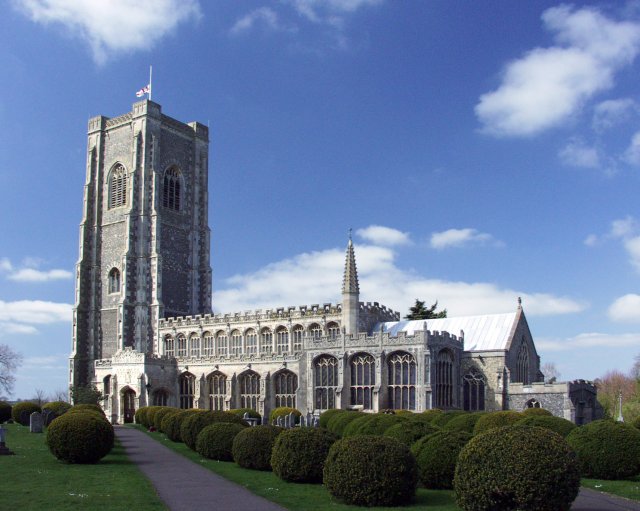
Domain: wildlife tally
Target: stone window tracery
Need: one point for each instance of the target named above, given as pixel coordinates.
(522, 365)
(160, 398)
(251, 340)
(194, 346)
(444, 379)
(474, 390)
(208, 346)
(266, 341)
(282, 340)
(187, 384)
(236, 343)
(217, 390)
(298, 333)
(315, 330)
(172, 189)
(363, 380)
(114, 281)
(325, 370)
(333, 330)
(181, 348)
(117, 186)
(401, 381)
(169, 346)
(249, 390)
(286, 384)
(222, 346)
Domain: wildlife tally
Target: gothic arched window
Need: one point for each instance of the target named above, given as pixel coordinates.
(222, 344)
(249, 390)
(401, 381)
(282, 340)
(217, 390)
(207, 345)
(325, 370)
(444, 379)
(160, 397)
(251, 342)
(333, 329)
(473, 390)
(168, 346)
(298, 333)
(172, 189)
(363, 379)
(236, 343)
(187, 383)
(522, 365)
(194, 345)
(266, 341)
(315, 330)
(181, 348)
(117, 186)
(286, 384)
(114, 280)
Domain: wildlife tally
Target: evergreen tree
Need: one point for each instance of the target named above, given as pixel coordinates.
(419, 311)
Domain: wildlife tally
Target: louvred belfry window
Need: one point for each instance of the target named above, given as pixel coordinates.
(171, 189)
(117, 187)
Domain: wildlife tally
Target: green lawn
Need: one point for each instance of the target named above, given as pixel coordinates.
(629, 489)
(34, 479)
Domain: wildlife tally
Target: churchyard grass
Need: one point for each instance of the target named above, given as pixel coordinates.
(303, 497)
(34, 479)
(629, 489)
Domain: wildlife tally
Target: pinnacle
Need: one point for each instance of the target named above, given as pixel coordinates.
(350, 278)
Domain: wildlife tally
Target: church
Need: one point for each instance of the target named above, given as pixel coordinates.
(144, 332)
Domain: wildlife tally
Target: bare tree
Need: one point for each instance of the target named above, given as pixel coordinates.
(59, 395)
(550, 371)
(40, 397)
(9, 362)
(635, 368)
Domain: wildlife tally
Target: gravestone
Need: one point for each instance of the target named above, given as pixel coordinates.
(48, 416)
(35, 422)
(24, 417)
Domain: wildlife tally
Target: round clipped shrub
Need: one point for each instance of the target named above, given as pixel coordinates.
(283, 411)
(241, 411)
(22, 410)
(524, 468)
(420, 417)
(408, 432)
(536, 411)
(496, 420)
(436, 456)
(171, 424)
(141, 416)
(252, 446)
(90, 407)
(431, 414)
(5, 411)
(167, 422)
(193, 424)
(57, 407)
(465, 422)
(561, 426)
(606, 449)
(340, 421)
(635, 422)
(161, 414)
(80, 437)
(352, 428)
(327, 415)
(151, 415)
(298, 454)
(376, 425)
(442, 419)
(371, 471)
(216, 440)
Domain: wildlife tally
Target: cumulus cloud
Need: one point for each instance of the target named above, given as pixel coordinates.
(5, 265)
(632, 154)
(548, 85)
(264, 16)
(380, 235)
(577, 154)
(316, 277)
(329, 11)
(627, 230)
(591, 240)
(36, 312)
(33, 275)
(612, 112)
(588, 340)
(114, 26)
(459, 238)
(625, 309)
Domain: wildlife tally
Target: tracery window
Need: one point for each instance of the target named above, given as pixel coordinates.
(160, 398)
(194, 346)
(181, 348)
(171, 189)
(266, 341)
(117, 186)
(222, 344)
(473, 390)
(363, 379)
(187, 383)
(401, 381)
(249, 389)
(325, 382)
(217, 390)
(168, 346)
(282, 340)
(298, 333)
(443, 390)
(114, 280)
(236, 343)
(316, 331)
(522, 365)
(533, 403)
(286, 384)
(251, 342)
(106, 386)
(333, 329)
(208, 346)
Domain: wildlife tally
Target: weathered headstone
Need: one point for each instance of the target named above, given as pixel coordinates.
(48, 416)
(3, 448)
(24, 417)
(280, 421)
(35, 422)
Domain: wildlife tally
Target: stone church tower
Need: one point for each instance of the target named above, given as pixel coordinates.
(144, 235)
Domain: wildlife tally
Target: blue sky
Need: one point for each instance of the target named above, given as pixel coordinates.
(480, 151)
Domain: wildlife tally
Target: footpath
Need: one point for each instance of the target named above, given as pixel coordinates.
(184, 485)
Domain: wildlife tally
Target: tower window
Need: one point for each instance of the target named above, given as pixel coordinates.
(117, 187)
(171, 189)
(114, 280)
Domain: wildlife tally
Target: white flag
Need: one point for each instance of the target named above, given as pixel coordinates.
(143, 91)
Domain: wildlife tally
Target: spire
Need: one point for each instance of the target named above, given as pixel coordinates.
(350, 278)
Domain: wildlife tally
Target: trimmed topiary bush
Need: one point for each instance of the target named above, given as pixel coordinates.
(326, 416)
(252, 446)
(283, 411)
(561, 426)
(140, 416)
(24, 409)
(298, 454)
(431, 414)
(57, 407)
(216, 440)
(5, 411)
(376, 425)
(241, 411)
(340, 421)
(171, 423)
(442, 419)
(193, 424)
(515, 467)
(636, 422)
(537, 411)
(606, 449)
(167, 422)
(465, 422)
(89, 407)
(421, 417)
(371, 471)
(151, 415)
(496, 420)
(161, 414)
(408, 432)
(436, 456)
(80, 437)
(351, 429)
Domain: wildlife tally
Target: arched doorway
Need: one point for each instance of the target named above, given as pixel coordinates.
(128, 404)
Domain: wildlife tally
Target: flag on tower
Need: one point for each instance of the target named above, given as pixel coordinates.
(143, 91)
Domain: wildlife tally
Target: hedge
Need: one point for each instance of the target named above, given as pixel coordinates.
(465, 423)
(161, 414)
(327, 415)
(408, 432)
(537, 411)
(442, 419)
(57, 407)
(193, 424)
(298, 454)
(216, 440)
(171, 423)
(5, 411)
(81, 437)
(340, 421)
(496, 420)
(252, 447)
(436, 456)
(19, 409)
(561, 426)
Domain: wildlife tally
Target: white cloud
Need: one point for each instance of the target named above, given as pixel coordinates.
(316, 277)
(577, 154)
(17, 328)
(612, 112)
(31, 275)
(318, 11)
(459, 238)
(623, 227)
(380, 235)
(113, 26)
(591, 240)
(632, 154)
(625, 309)
(548, 85)
(589, 340)
(628, 231)
(5, 265)
(265, 16)
(36, 312)
(47, 362)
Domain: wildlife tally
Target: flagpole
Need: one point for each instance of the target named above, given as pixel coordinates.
(150, 71)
